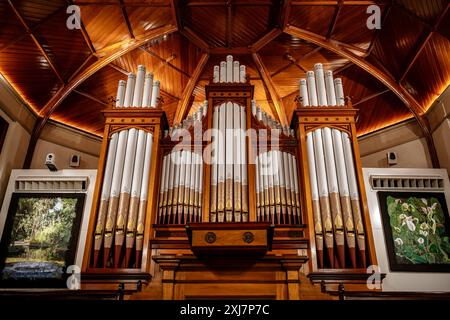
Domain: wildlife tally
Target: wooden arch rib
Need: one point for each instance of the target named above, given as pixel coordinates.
(114, 52)
(184, 103)
(411, 103)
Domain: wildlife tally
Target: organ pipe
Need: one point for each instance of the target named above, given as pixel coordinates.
(320, 84)
(335, 196)
(223, 72)
(237, 161)
(127, 175)
(143, 197)
(339, 92)
(147, 95)
(329, 84)
(324, 198)
(304, 93)
(317, 219)
(117, 176)
(344, 194)
(107, 179)
(354, 196)
(312, 92)
(216, 74)
(155, 94)
(229, 68)
(333, 192)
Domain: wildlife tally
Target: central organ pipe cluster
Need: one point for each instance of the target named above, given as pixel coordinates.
(229, 72)
(337, 214)
(122, 209)
(229, 184)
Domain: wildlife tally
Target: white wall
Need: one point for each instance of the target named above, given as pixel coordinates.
(405, 139)
(64, 142)
(402, 281)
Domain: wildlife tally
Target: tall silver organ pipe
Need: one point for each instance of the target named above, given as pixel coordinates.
(122, 209)
(336, 204)
(107, 179)
(117, 176)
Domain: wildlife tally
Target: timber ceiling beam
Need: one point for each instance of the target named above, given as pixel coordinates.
(115, 52)
(165, 61)
(183, 104)
(126, 18)
(410, 102)
(267, 79)
(264, 40)
(195, 38)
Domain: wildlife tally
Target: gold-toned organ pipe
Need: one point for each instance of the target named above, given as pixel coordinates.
(214, 165)
(354, 197)
(324, 195)
(221, 165)
(244, 159)
(135, 195)
(229, 161)
(344, 195)
(117, 176)
(269, 164)
(317, 218)
(237, 181)
(276, 183)
(140, 228)
(258, 190)
(163, 191)
(333, 191)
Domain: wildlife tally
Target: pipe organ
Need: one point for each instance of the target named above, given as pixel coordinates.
(230, 178)
(338, 224)
(120, 223)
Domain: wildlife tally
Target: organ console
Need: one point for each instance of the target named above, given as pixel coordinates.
(236, 174)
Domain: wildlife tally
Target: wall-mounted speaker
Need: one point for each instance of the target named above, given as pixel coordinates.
(75, 160)
(392, 158)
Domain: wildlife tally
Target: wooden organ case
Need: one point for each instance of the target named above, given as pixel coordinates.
(230, 210)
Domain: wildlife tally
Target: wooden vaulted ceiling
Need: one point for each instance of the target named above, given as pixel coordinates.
(71, 75)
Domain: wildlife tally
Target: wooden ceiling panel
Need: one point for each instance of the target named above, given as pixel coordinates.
(104, 24)
(66, 48)
(316, 19)
(11, 28)
(29, 72)
(276, 52)
(36, 10)
(432, 63)
(249, 24)
(395, 44)
(427, 10)
(81, 112)
(144, 19)
(286, 81)
(358, 84)
(380, 112)
(398, 50)
(351, 26)
(208, 22)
